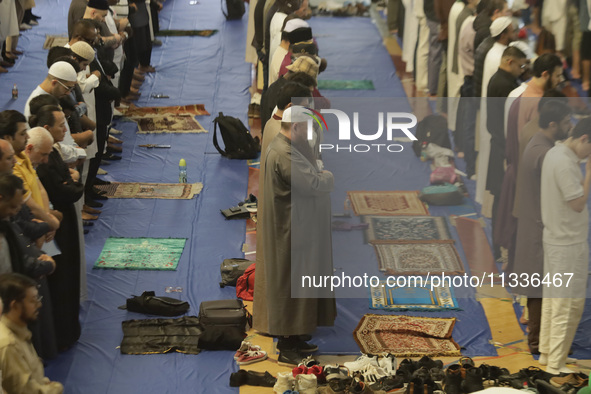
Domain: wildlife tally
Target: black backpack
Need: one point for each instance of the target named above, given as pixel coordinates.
(432, 129)
(237, 139)
(235, 9)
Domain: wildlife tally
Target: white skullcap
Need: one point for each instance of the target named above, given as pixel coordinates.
(499, 25)
(295, 114)
(293, 24)
(63, 71)
(523, 47)
(83, 49)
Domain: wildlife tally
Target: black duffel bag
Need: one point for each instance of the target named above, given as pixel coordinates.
(238, 141)
(232, 269)
(150, 304)
(224, 313)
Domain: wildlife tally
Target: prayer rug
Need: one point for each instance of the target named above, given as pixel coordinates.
(476, 247)
(55, 41)
(418, 257)
(141, 253)
(192, 109)
(180, 33)
(329, 84)
(166, 191)
(387, 203)
(406, 336)
(413, 298)
(158, 124)
(406, 228)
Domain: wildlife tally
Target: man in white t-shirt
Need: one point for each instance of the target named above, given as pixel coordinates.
(564, 193)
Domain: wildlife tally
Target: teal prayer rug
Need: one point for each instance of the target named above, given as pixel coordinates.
(329, 84)
(181, 33)
(141, 253)
(413, 298)
(406, 228)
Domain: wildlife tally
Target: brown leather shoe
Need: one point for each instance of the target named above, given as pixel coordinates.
(136, 84)
(114, 140)
(147, 69)
(90, 210)
(138, 77)
(4, 63)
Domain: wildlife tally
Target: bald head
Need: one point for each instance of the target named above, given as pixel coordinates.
(7, 159)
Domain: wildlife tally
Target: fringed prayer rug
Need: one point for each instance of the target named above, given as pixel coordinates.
(158, 124)
(166, 191)
(141, 253)
(55, 41)
(406, 336)
(191, 33)
(406, 228)
(328, 84)
(413, 298)
(387, 203)
(418, 257)
(192, 109)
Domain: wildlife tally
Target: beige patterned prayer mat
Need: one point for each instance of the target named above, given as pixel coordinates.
(418, 257)
(387, 203)
(406, 336)
(192, 109)
(166, 191)
(173, 124)
(55, 41)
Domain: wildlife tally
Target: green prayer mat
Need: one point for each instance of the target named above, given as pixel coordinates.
(330, 84)
(180, 33)
(141, 253)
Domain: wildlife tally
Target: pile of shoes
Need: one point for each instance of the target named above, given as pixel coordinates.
(570, 383)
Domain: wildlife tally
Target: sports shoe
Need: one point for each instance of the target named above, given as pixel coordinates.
(245, 346)
(473, 380)
(317, 371)
(452, 383)
(388, 363)
(361, 362)
(306, 384)
(372, 374)
(388, 383)
(309, 362)
(574, 379)
(252, 356)
(284, 382)
(299, 370)
(289, 358)
(335, 372)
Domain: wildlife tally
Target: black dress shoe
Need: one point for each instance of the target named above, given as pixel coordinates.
(110, 156)
(98, 181)
(289, 358)
(87, 223)
(93, 204)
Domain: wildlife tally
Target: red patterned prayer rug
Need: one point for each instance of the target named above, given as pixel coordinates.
(418, 257)
(387, 203)
(406, 336)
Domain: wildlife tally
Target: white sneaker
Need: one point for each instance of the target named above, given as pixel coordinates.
(306, 384)
(361, 362)
(388, 363)
(284, 382)
(245, 346)
(372, 374)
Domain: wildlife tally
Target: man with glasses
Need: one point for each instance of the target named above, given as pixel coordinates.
(60, 81)
(22, 370)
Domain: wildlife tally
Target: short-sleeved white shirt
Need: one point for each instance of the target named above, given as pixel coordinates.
(562, 181)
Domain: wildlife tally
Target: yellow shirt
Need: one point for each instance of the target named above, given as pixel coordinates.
(24, 170)
(22, 370)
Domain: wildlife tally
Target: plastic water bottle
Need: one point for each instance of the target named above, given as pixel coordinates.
(14, 92)
(182, 171)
